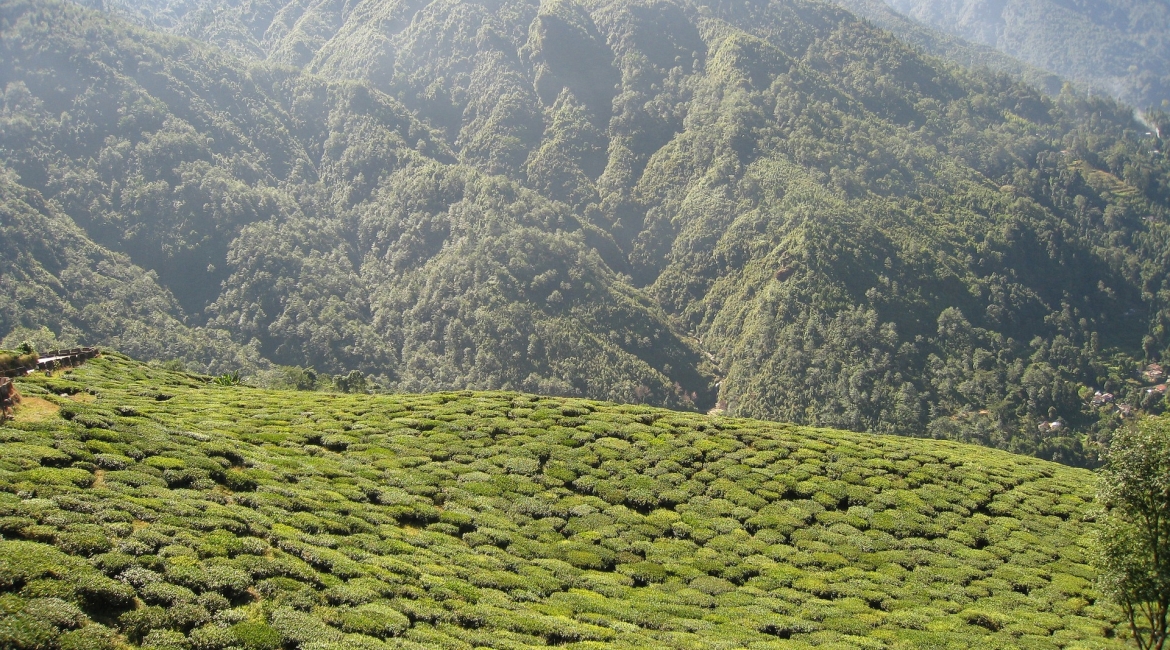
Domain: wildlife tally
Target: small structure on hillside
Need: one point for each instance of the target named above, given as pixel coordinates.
(1125, 410)
(1153, 373)
(47, 361)
(1101, 399)
(1160, 389)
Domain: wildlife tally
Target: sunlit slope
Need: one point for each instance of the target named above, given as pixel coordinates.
(183, 514)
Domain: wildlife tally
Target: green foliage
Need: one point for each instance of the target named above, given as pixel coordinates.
(1135, 539)
(17, 359)
(773, 208)
(226, 379)
(256, 636)
(354, 382)
(507, 520)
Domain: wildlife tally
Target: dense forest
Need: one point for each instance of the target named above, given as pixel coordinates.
(1118, 47)
(774, 209)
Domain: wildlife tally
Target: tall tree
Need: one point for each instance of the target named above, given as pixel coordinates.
(1135, 538)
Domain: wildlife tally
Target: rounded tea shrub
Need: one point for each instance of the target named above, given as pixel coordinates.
(91, 637)
(251, 635)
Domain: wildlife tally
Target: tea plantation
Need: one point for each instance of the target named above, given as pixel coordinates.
(142, 507)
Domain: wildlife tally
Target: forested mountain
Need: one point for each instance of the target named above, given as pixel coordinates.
(935, 41)
(1119, 47)
(773, 207)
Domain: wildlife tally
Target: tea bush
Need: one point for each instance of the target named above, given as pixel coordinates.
(504, 520)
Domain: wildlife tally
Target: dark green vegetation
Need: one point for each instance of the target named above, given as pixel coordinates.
(1135, 535)
(772, 207)
(179, 513)
(1119, 47)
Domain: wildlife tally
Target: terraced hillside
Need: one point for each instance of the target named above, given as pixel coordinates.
(145, 507)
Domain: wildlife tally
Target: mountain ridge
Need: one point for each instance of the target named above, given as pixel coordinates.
(1117, 47)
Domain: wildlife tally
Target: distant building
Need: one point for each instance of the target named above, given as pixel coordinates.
(1153, 373)
(1101, 399)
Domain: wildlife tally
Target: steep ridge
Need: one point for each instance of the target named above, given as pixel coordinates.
(179, 513)
(1119, 47)
(770, 207)
(318, 222)
(947, 45)
(53, 275)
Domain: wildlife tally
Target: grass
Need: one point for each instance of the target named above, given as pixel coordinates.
(172, 512)
(35, 409)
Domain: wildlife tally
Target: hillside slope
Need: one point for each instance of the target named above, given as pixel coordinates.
(947, 45)
(1119, 47)
(771, 207)
(172, 511)
(317, 222)
(55, 276)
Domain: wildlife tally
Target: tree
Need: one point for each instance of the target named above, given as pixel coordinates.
(1135, 538)
(354, 382)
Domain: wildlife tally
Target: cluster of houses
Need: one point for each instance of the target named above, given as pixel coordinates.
(1153, 374)
(1100, 400)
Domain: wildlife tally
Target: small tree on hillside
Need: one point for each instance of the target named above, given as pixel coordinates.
(1135, 535)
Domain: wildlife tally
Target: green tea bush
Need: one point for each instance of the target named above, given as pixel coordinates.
(167, 640)
(256, 636)
(211, 637)
(93, 636)
(438, 530)
(373, 619)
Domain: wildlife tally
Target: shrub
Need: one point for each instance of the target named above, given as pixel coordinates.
(55, 612)
(90, 637)
(338, 547)
(164, 593)
(85, 543)
(211, 637)
(99, 592)
(230, 581)
(137, 623)
(24, 632)
(252, 635)
(299, 628)
(239, 481)
(374, 619)
(712, 585)
(185, 616)
(643, 572)
(350, 594)
(167, 640)
(213, 602)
